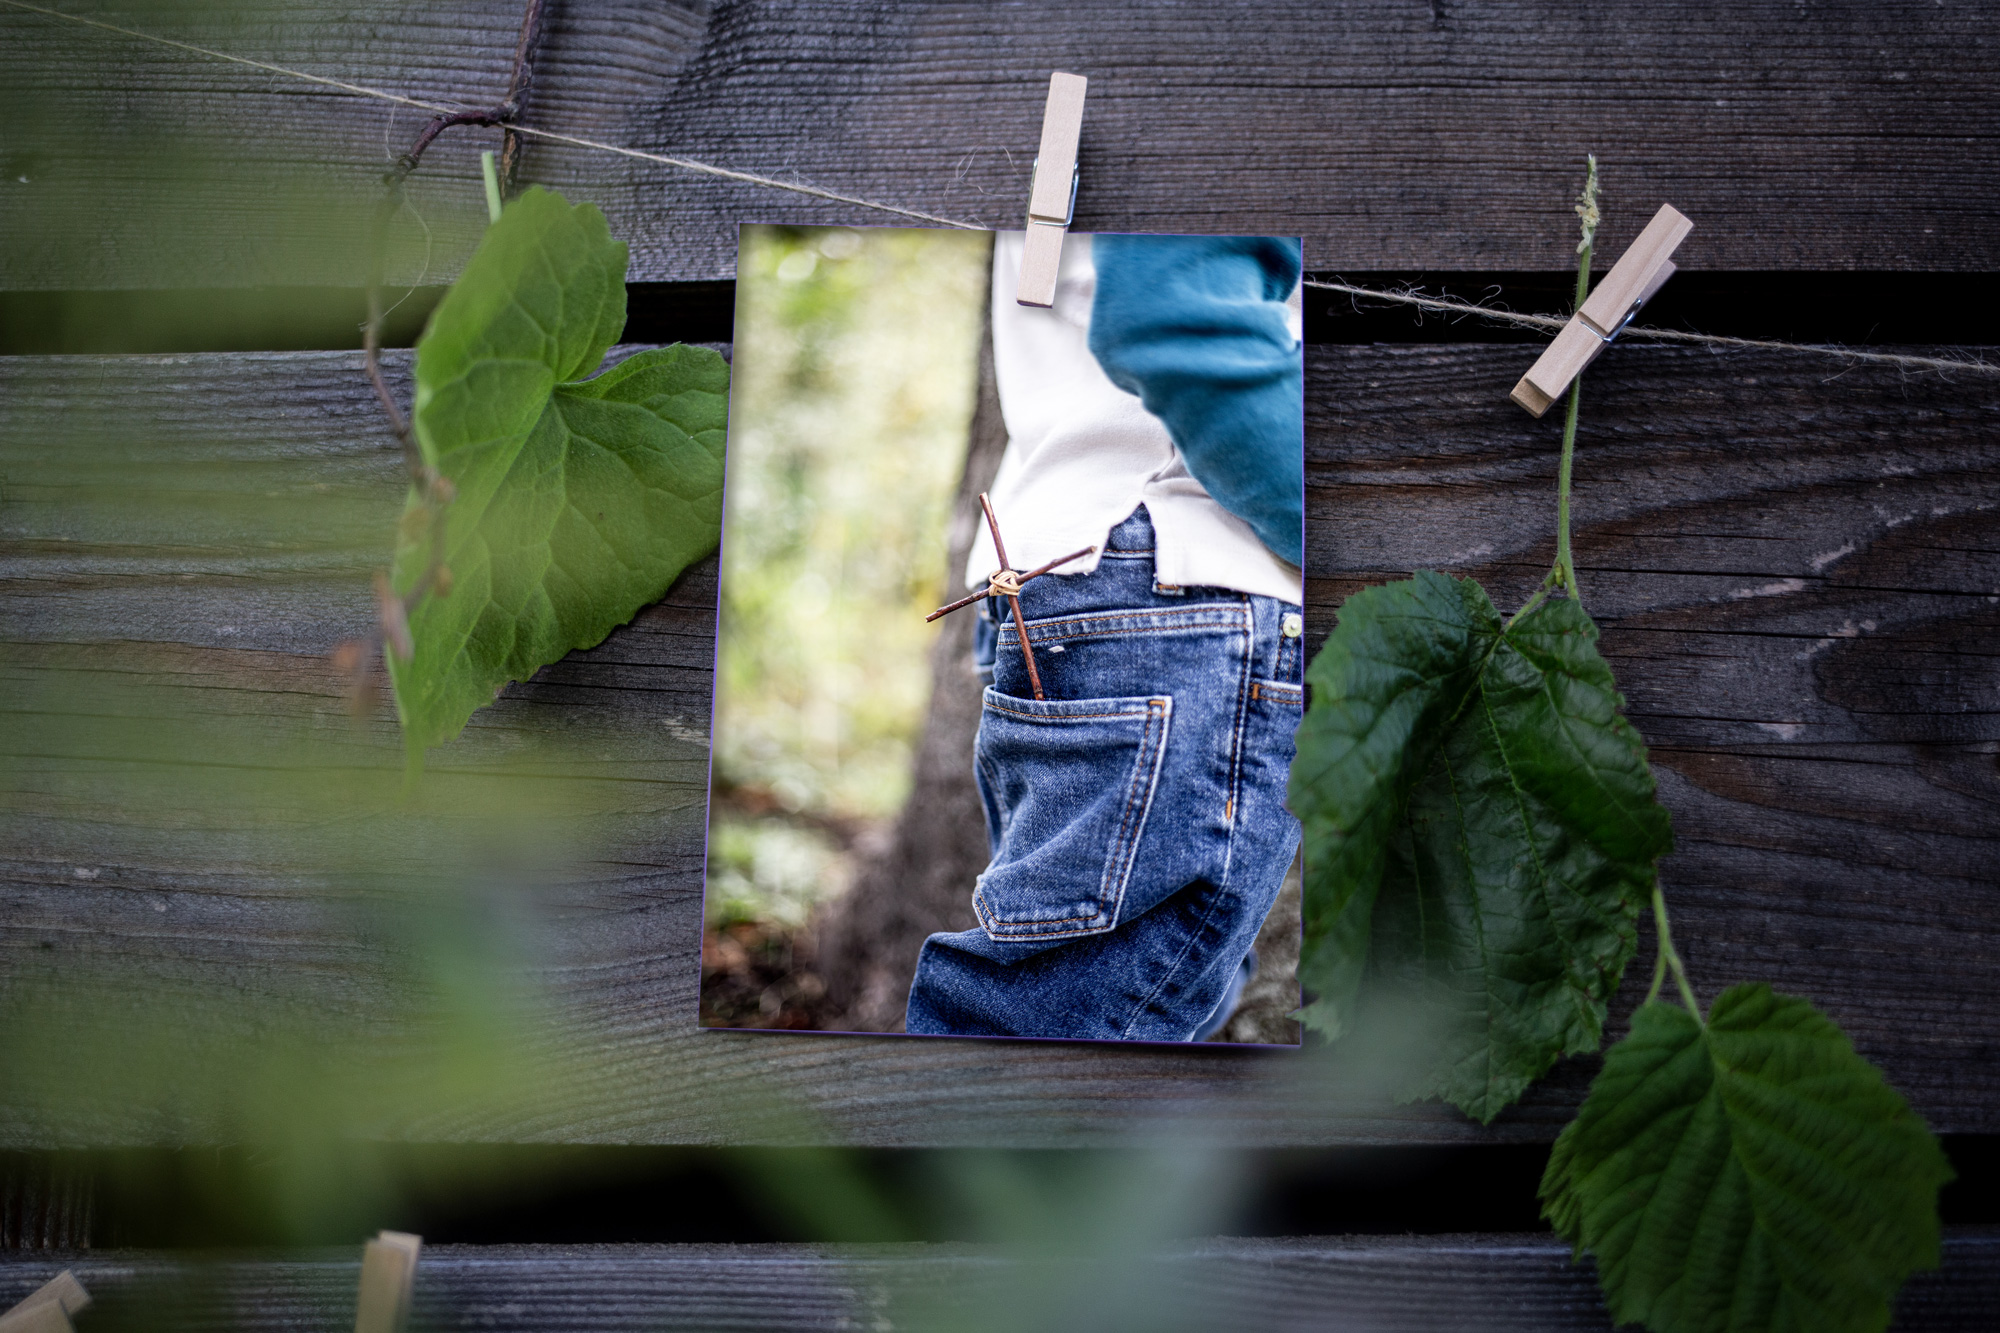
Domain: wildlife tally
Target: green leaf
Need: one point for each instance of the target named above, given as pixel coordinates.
(1480, 831)
(1391, 676)
(577, 501)
(1755, 1175)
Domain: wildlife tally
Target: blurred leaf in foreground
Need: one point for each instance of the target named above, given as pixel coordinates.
(1755, 1174)
(577, 501)
(1480, 830)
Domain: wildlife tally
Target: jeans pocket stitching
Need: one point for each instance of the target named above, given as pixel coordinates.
(1156, 718)
(1200, 618)
(1061, 717)
(1158, 711)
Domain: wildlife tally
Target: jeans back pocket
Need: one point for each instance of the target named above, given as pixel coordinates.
(1067, 784)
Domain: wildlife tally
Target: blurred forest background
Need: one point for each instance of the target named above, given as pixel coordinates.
(856, 364)
(844, 825)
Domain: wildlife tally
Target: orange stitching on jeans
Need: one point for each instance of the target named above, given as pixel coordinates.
(979, 898)
(1067, 717)
(1226, 616)
(1156, 709)
(1144, 778)
(1221, 627)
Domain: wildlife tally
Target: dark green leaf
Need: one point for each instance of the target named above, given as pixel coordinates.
(1480, 831)
(1756, 1175)
(1390, 677)
(577, 502)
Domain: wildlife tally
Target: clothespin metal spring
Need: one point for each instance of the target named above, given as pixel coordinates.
(1608, 338)
(1034, 181)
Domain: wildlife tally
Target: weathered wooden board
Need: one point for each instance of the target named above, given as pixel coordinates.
(1796, 573)
(1441, 1284)
(1392, 134)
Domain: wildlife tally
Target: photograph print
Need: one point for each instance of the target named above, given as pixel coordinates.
(1010, 648)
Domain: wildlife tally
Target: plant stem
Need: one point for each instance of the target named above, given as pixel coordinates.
(525, 49)
(1541, 595)
(1564, 573)
(505, 115)
(1565, 562)
(433, 491)
(492, 175)
(1583, 253)
(1565, 570)
(1669, 959)
(371, 336)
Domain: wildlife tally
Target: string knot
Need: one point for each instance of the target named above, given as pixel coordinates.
(1003, 583)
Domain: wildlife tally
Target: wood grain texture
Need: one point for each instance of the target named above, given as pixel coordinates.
(1796, 578)
(1796, 575)
(1391, 134)
(46, 1204)
(1436, 1284)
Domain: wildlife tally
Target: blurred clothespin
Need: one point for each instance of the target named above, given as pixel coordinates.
(49, 1308)
(388, 1274)
(1052, 193)
(1632, 281)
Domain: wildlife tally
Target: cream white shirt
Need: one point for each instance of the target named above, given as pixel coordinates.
(1083, 454)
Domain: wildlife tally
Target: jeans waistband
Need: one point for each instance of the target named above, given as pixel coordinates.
(1134, 535)
(1122, 590)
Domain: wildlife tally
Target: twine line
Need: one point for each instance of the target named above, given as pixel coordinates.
(440, 109)
(1554, 324)
(1440, 304)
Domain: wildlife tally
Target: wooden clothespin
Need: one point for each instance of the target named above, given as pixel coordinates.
(388, 1276)
(1052, 194)
(49, 1308)
(1006, 582)
(1639, 273)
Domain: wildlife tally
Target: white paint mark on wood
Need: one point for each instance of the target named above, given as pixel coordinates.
(1846, 631)
(1778, 589)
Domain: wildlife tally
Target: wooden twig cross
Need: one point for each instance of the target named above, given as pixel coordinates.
(1006, 582)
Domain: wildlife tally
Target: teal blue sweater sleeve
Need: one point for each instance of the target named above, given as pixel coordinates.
(1196, 327)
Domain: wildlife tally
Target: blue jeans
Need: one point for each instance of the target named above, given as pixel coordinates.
(1136, 817)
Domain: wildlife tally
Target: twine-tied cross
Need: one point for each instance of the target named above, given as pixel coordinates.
(1006, 582)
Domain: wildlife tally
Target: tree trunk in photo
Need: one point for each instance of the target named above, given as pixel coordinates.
(919, 879)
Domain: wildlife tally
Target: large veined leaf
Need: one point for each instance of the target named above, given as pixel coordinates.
(1480, 831)
(577, 501)
(1756, 1176)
